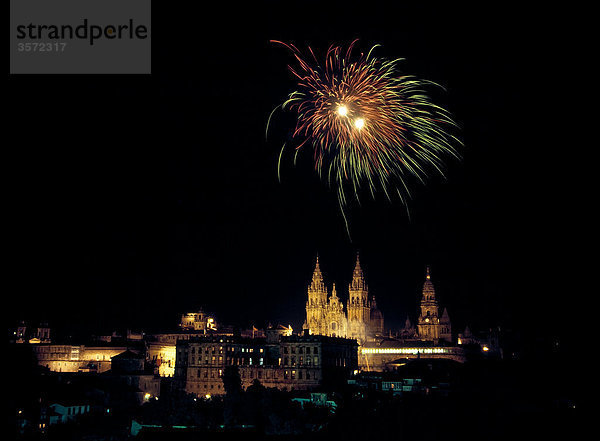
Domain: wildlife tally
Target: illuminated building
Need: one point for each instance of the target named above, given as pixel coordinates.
(161, 346)
(273, 334)
(389, 353)
(293, 362)
(431, 325)
(198, 321)
(325, 314)
(162, 355)
(76, 358)
(431, 338)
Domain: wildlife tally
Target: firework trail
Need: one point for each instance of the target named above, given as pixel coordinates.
(368, 124)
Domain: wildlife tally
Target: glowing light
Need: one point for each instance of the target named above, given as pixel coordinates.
(405, 351)
(407, 133)
(207, 396)
(485, 349)
(147, 396)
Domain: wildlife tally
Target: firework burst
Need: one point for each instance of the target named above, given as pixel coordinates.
(369, 125)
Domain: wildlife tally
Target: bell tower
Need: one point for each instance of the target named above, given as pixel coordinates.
(317, 303)
(317, 293)
(429, 322)
(359, 306)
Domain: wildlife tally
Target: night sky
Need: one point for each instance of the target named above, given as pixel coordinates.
(132, 199)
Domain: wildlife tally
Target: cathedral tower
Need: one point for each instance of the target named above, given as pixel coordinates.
(317, 294)
(336, 317)
(359, 306)
(317, 303)
(428, 324)
(326, 316)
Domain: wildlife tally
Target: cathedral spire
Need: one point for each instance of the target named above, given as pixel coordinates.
(317, 283)
(358, 272)
(357, 290)
(334, 292)
(317, 275)
(358, 278)
(428, 289)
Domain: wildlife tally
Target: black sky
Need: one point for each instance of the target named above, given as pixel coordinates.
(131, 199)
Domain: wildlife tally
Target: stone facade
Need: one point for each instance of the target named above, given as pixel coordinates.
(293, 362)
(325, 314)
(198, 321)
(76, 358)
(432, 325)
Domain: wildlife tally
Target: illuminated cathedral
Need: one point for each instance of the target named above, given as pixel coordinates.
(325, 313)
(431, 324)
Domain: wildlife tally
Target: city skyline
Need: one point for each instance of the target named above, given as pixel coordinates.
(170, 199)
(174, 238)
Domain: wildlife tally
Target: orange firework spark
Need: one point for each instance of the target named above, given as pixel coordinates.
(367, 123)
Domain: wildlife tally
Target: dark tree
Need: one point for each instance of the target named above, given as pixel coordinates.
(232, 383)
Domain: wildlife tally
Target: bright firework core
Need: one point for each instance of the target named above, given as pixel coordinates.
(405, 135)
(342, 110)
